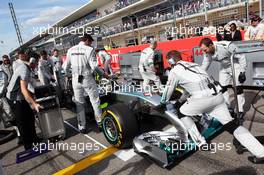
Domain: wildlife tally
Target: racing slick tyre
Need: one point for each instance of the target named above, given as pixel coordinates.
(119, 125)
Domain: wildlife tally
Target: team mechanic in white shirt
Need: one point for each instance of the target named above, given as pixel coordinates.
(204, 98)
(146, 66)
(57, 69)
(82, 60)
(105, 59)
(45, 69)
(219, 52)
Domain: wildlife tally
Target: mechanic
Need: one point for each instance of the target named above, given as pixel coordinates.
(22, 101)
(6, 114)
(57, 69)
(6, 67)
(83, 62)
(45, 69)
(205, 97)
(220, 53)
(106, 60)
(146, 66)
(33, 65)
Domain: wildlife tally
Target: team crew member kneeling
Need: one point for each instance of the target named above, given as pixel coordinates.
(204, 98)
(81, 58)
(106, 60)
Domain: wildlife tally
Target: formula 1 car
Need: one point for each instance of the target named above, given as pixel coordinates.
(121, 125)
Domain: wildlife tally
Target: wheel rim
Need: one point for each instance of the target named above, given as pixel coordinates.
(110, 128)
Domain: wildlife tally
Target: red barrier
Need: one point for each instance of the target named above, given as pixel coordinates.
(185, 46)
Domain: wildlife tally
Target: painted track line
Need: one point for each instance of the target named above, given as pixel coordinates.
(124, 155)
(87, 162)
(89, 137)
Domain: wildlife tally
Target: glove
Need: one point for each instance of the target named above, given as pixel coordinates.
(160, 108)
(52, 80)
(242, 77)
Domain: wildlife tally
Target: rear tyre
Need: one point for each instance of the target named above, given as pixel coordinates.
(119, 126)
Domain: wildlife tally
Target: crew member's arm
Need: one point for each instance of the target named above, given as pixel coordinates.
(24, 78)
(170, 87)
(243, 66)
(94, 64)
(28, 97)
(206, 62)
(150, 61)
(242, 61)
(107, 64)
(102, 57)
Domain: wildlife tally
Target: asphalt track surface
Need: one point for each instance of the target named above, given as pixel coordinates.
(101, 158)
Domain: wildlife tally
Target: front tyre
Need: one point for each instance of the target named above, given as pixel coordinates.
(119, 125)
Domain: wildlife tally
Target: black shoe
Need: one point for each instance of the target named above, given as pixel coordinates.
(85, 131)
(256, 160)
(240, 149)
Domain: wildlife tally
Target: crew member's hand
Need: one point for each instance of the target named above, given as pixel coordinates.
(36, 107)
(160, 108)
(242, 77)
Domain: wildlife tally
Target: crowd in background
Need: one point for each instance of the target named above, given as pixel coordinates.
(181, 10)
(96, 14)
(119, 5)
